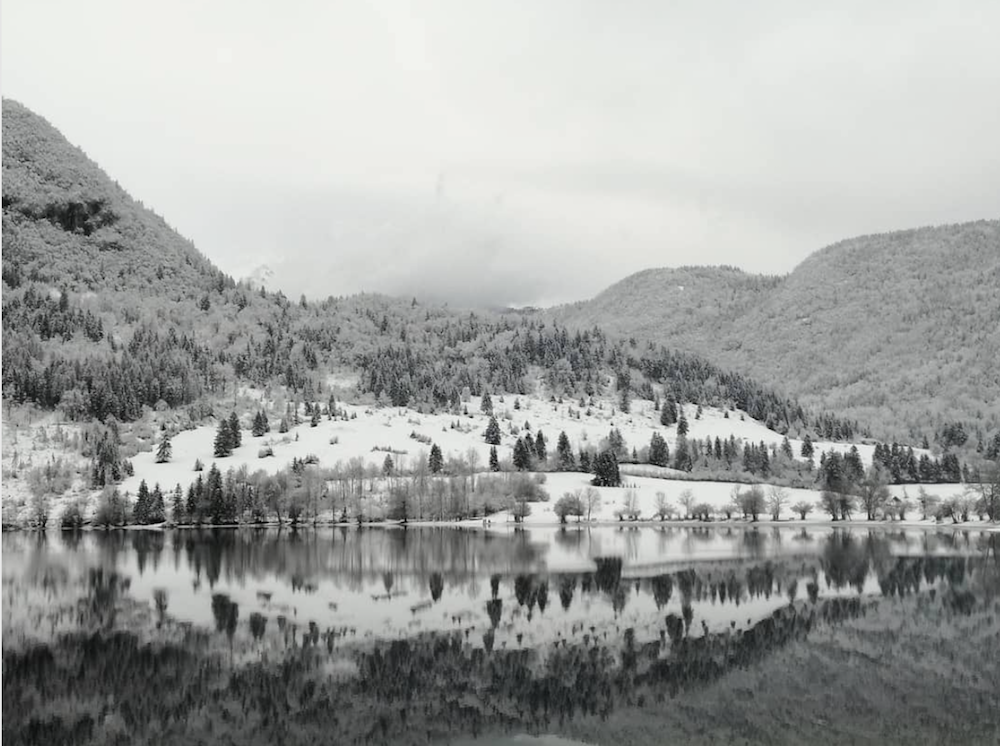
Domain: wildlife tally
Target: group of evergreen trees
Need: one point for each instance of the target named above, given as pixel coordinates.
(228, 437)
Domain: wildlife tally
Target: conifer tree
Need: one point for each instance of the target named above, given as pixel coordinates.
(522, 458)
(260, 424)
(585, 460)
(191, 508)
(606, 473)
(388, 467)
(541, 452)
(435, 461)
(216, 497)
(682, 455)
(493, 432)
(223, 440)
(157, 511)
(177, 505)
(682, 425)
(486, 404)
(235, 435)
(494, 459)
(314, 418)
(140, 514)
(164, 450)
(807, 449)
(659, 454)
(564, 453)
(786, 447)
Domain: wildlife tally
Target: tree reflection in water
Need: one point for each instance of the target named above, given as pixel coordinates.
(100, 685)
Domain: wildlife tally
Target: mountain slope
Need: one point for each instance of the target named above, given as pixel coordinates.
(899, 329)
(107, 312)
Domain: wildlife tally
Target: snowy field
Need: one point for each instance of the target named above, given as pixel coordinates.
(368, 431)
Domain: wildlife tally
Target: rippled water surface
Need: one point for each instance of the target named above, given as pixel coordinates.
(422, 634)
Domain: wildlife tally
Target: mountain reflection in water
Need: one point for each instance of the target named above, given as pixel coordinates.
(407, 635)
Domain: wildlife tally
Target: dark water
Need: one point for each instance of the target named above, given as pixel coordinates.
(416, 635)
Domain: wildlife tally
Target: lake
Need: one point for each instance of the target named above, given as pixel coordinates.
(571, 635)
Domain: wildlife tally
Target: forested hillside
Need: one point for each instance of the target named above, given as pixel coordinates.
(108, 311)
(898, 330)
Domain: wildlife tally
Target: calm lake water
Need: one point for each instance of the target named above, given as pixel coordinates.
(423, 634)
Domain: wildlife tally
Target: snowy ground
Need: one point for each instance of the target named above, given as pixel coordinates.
(370, 428)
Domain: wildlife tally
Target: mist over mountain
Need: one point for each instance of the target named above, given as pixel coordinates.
(108, 312)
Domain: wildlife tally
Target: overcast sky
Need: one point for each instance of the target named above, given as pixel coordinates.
(520, 152)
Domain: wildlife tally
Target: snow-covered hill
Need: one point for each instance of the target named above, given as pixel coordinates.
(368, 433)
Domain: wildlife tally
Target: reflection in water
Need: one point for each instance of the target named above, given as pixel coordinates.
(384, 635)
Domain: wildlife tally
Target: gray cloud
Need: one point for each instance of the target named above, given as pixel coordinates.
(521, 152)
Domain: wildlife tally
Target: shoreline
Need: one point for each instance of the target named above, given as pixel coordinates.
(478, 523)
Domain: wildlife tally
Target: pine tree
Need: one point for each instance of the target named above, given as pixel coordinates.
(388, 467)
(667, 413)
(807, 449)
(486, 405)
(235, 435)
(191, 508)
(216, 497)
(682, 455)
(435, 461)
(223, 440)
(606, 473)
(314, 418)
(585, 461)
(494, 459)
(177, 505)
(682, 425)
(493, 432)
(659, 455)
(140, 514)
(786, 447)
(165, 450)
(260, 424)
(283, 425)
(157, 511)
(540, 448)
(564, 453)
(522, 458)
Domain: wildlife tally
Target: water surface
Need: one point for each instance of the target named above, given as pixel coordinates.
(414, 635)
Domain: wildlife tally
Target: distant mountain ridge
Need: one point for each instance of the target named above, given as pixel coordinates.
(110, 313)
(900, 327)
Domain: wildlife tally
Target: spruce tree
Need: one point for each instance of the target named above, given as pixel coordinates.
(191, 508)
(494, 459)
(682, 455)
(786, 447)
(235, 435)
(522, 458)
(682, 425)
(807, 449)
(165, 449)
(606, 473)
(658, 453)
(486, 405)
(216, 497)
(223, 440)
(388, 467)
(314, 418)
(435, 461)
(157, 511)
(564, 453)
(177, 505)
(493, 432)
(585, 461)
(140, 514)
(541, 449)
